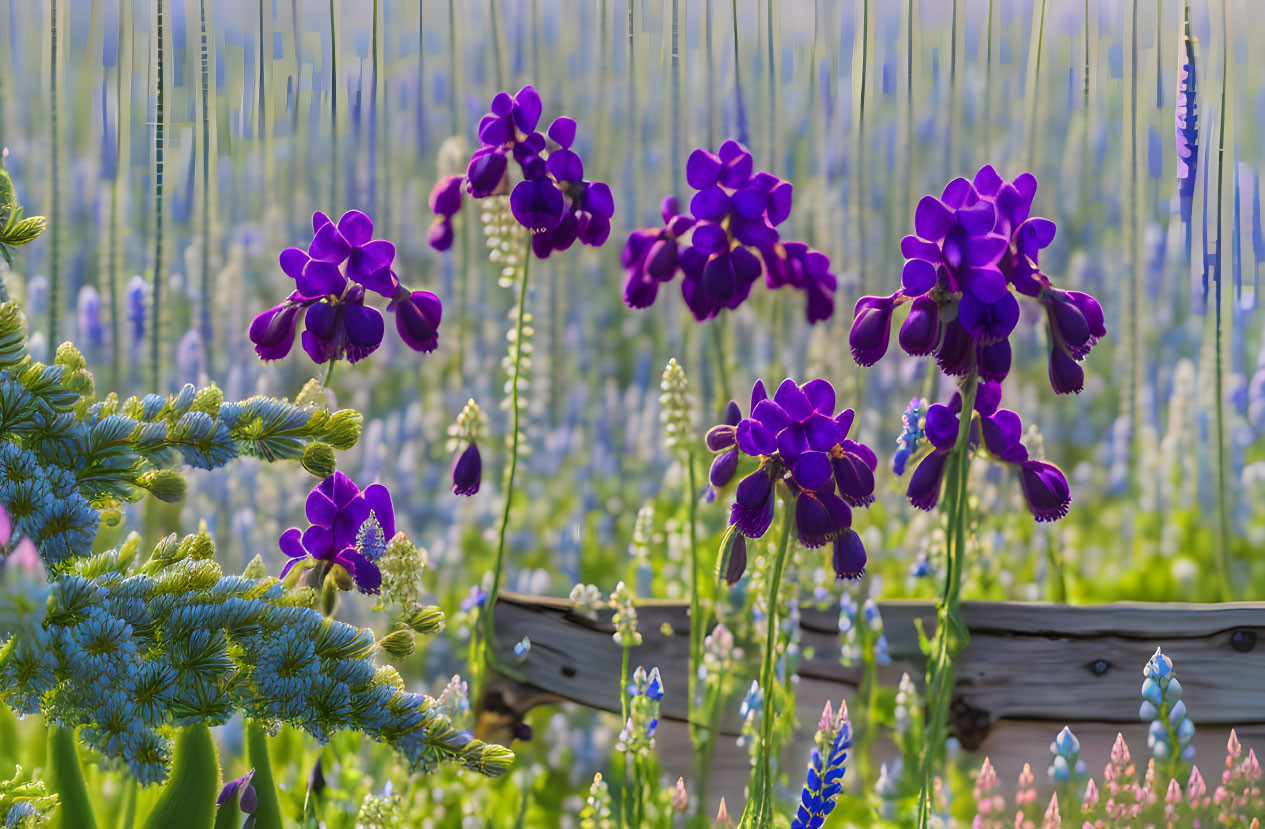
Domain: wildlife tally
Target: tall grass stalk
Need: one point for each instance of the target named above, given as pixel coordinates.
(498, 61)
(860, 71)
(1036, 42)
(486, 617)
(156, 323)
(1133, 255)
(740, 115)
(204, 310)
(950, 634)
(1224, 561)
(54, 185)
(335, 172)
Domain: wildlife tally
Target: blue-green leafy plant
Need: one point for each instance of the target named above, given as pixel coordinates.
(141, 654)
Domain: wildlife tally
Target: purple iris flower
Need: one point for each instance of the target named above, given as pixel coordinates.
(997, 432)
(336, 510)
(733, 239)
(368, 260)
(723, 439)
(553, 200)
(800, 441)
(975, 248)
(330, 280)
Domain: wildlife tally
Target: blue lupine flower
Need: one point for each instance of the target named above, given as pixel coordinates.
(475, 598)
(1068, 767)
(1171, 732)
(825, 769)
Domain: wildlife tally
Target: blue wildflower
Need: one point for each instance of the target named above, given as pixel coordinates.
(907, 442)
(825, 769)
(1171, 732)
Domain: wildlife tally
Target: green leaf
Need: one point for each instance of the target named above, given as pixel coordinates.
(20, 232)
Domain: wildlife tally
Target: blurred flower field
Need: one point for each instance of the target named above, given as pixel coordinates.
(326, 328)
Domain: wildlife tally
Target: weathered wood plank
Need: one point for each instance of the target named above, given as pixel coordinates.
(1029, 670)
(1024, 662)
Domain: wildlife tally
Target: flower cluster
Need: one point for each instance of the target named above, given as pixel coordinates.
(825, 769)
(726, 240)
(996, 434)
(645, 693)
(1171, 733)
(625, 617)
(976, 246)
(597, 806)
(1238, 796)
(342, 262)
(800, 442)
(911, 434)
(552, 200)
(349, 528)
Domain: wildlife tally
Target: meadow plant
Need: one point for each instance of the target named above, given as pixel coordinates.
(975, 248)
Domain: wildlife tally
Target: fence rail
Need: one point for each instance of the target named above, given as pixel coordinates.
(1029, 669)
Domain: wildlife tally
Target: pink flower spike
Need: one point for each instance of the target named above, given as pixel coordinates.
(6, 527)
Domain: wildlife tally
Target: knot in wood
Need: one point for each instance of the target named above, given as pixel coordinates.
(1243, 640)
(969, 724)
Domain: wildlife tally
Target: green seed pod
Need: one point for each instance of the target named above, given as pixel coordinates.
(343, 429)
(427, 621)
(318, 458)
(398, 643)
(166, 485)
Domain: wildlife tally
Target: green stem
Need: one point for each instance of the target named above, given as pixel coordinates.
(759, 809)
(1223, 512)
(625, 805)
(65, 779)
(54, 217)
(329, 372)
(187, 800)
(489, 606)
(268, 813)
(950, 635)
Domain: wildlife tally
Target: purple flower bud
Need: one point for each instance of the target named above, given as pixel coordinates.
(272, 332)
(924, 484)
(467, 472)
(417, 317)
(485, 173)
(1066, 375)
(445, 196)
(562, 131)
(920, 333)
(719, 438)
(723, 468)
(849, 557)
(871, 328)
(440, 235)
(1045, 489)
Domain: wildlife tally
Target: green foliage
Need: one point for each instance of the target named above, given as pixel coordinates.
(16, 228)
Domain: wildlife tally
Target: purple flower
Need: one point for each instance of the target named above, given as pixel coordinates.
(553, 200)
(336, 510)
(997, 432)
(974, 248)
(848, 556)
(417, 317)
(467, 472)
(737, 564)
(331, 278)
(241, 793)
(732, 227)
(799, 440)
(351, 241)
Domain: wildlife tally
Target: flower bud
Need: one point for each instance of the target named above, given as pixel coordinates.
(167, 485)
(318, 458)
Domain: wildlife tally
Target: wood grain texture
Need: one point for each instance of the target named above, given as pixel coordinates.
(1029, 669)
(1025, 661)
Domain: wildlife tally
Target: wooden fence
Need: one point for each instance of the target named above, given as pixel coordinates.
(1029, 669)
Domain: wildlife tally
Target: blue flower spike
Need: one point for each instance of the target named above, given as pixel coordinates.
(825, 769)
